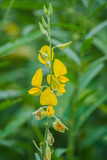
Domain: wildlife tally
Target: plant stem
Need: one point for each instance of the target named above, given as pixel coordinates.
(45, 138)
(6, 14)
(51, 70)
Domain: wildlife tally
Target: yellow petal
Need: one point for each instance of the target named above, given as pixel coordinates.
(63, 79)
(35, 91)
(50, 111)
(45, 49)
(55, 83)
(59, 68)
(48, 98)
(37, 78)
(62, 90)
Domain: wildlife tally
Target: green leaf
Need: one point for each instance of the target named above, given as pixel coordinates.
(96, 29)
(96, 62)
(23, 4)
(60, 151)
(16, 122)
(4, 94)
(100, 45)
(88, 75)
(86, 44)
(21, 41)
(95, 12)
(94, 136)
(68, 26)
(8, 103)
(85, 3)
(83, 118)
(37, 156)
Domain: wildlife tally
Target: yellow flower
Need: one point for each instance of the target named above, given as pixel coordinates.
(60, 70)
(56, 85)
(36, 82)
(50, 111)
(45, 50)
(59, 126)
(48, 98)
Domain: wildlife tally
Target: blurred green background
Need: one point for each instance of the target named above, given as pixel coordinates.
(83, 108)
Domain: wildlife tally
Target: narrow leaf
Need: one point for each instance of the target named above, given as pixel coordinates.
(89, 111)
(11, 45)
(86, 44)
(96, 29)
(87, 77)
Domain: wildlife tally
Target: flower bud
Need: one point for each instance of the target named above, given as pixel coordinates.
(45, 10)
(44, 23)
(40, 113)
(43, 30)
(48, 153)
(63, 46)
(59, 126)
(50, 138)
(48, 64)
(50, 9)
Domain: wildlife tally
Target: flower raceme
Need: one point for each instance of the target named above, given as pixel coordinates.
(56, 80)
(36, 82)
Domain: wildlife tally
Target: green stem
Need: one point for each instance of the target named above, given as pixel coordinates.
(51, 70)
(6, 14)
(45, 138)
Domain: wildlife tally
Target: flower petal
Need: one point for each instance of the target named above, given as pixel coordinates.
(63, 79)
(45, 49)
(59, 68)
(37, 78)
(55, 82)
(50, 111)
(35, 91)
(48, 98)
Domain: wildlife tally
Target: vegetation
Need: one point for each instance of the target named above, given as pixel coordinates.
(83, 108)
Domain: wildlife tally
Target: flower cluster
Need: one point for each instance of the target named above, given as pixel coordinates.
(56, 86)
